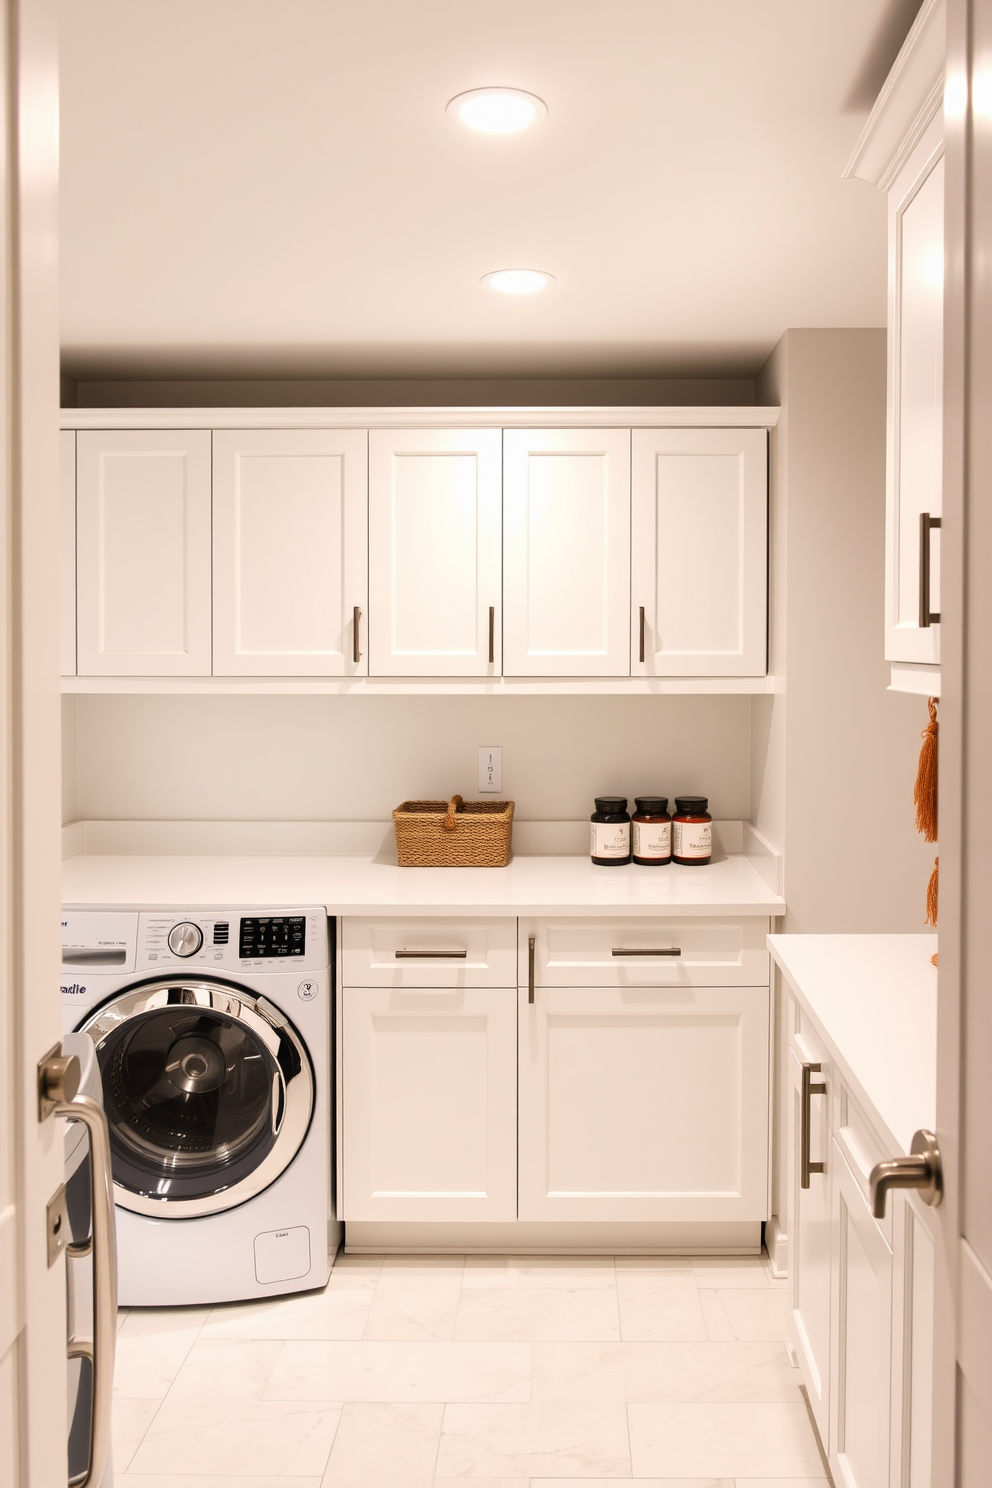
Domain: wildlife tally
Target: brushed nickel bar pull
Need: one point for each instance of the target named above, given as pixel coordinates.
(530, 968)
(641, 653)
(492, 635)
(809, 1088)
(927, 616)
(921, 1170)
(430, 955)
(356, 654)
(658, 951)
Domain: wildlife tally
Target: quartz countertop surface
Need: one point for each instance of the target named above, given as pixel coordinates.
(874, 998)
(376, 886)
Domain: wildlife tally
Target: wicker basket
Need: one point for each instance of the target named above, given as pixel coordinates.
(453, 834)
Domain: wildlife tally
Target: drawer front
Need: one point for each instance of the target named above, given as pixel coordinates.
(645, 952)
(426, 951)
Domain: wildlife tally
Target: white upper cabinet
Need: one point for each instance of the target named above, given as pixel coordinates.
(699, 515)
(916, 393)
(143, 547)
(67, 553)
(290, 553)
(566, 552)
(435, 552)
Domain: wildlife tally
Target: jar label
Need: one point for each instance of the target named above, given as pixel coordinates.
(652, 839)
(692, 839)
(609, 839)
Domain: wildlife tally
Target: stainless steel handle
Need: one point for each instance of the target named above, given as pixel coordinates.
(657, 951)
(430, 955)
(809, 1088)
(492, 634)
(921, 1170)
(356, 654)
(103, 1247)
(928, 617)
(641, 652)
(530, 967)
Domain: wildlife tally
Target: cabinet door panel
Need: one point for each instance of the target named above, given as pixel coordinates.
(699, 538)
(435, 547)
(566, 552)
(810, 1242)
(714, 952)
(644, 1103)
(143, 543)
(430, 1092)
(290, 552)
(67, 552)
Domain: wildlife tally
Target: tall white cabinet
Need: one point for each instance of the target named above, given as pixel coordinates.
(67, 552)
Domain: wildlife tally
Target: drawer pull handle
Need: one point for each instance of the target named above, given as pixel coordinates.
(809, 1088)
(658, 951)
(530, 967)
(921, 1170)
(492, 635)
(356, 652)
(640, 654)
(927, 617)
(430, 955)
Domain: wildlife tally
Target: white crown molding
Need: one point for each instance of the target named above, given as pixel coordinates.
(911, 96)
(716, 417)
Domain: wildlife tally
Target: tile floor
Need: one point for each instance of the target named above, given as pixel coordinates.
(496, 1372)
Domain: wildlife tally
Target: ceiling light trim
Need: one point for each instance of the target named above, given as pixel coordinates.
(496, 110)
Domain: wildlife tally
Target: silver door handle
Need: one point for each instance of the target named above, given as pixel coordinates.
(810, 1087)
(430, 955)
(658, 951)
(927, 617)
(531, 941)
(356, 654)
(922, 1170)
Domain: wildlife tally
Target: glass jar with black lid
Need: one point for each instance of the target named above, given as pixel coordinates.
(692, 831)
(609, 837)
(652, 831)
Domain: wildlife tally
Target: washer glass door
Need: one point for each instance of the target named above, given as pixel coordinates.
(208, 1092)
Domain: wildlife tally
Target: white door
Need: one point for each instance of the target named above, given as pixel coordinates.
(809, 1231)
(143, 553)
(430, 1100)
(916, 395)
(566, 552)
(32, 1293)
(644, 1103)
(290, 553)
(67, 552)
(862, 1329)
(435, 553)
(699, 524)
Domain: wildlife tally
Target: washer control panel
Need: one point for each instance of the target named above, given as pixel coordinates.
(263, 936)
(233, 940)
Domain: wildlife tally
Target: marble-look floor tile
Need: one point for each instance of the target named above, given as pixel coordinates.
(402, 1372)
(781, 1483)
(581, 1439)
(129, 1422)
(574, 1273)
(722, 1441)
(225, 1369)
(527, 1313)
(653, 1306)
(416, 1297)
(151, 1347)
(170, 1480)
(482, 1483)
(338, 1311)
(385, 1446)
(735, 1272)
(628, 1483)
(748, 1316)
(574, 1371)
(721, 1373)
(671, 1268)
(230, 1437)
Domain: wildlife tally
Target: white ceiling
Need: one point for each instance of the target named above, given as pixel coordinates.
(271, 187)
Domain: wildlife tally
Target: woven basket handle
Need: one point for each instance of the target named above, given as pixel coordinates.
(449, 820)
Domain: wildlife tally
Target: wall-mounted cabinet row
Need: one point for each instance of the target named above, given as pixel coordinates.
(415, 553)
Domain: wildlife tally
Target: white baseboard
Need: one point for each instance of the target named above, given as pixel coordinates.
(777, 1246)
(561, 1237)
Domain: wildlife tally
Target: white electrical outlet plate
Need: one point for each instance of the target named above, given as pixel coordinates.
(491, 768)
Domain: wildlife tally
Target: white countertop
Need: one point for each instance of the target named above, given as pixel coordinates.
(874, 999)
(376, 886)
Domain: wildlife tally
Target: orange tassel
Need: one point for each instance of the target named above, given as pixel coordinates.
(925, 790)
(932, 894)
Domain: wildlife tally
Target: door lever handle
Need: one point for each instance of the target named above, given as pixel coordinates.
(922, 1170)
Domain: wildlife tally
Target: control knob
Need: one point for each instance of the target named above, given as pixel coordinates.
(185, 939)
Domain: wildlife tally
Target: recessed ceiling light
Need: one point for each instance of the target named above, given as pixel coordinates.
(496, 110)
(518, 281)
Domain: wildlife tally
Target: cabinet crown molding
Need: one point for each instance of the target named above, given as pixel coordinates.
(532, 417)
(910, 97)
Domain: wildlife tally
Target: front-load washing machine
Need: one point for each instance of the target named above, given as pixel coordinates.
(213, 1034)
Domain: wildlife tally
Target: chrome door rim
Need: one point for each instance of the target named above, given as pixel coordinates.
(273, 1029)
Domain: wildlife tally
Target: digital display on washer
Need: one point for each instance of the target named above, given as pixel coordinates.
(273, 935)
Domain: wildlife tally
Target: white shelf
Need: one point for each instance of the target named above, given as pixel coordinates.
(422, 686)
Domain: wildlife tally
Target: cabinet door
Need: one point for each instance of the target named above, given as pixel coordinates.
(566, 552)
(143, 553)
(430, 1103)
(916, 394)
(862, 1331)
(644, 1103)
(290, 552)
(914, 1260)
(699, 514)
(67, 552)
(435, 552)
(810, 1243)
